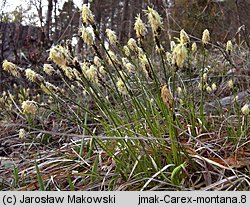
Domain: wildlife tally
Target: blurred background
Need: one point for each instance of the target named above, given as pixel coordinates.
(30, 27)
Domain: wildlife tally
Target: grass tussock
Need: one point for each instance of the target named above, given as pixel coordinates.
(130, 117)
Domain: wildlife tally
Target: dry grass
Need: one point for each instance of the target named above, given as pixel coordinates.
(107, 127)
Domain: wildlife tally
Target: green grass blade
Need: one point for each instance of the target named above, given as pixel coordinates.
(39, 178)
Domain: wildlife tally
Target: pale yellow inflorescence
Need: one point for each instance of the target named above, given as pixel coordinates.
(209, 89)
(10, 68)
(121, 87)
(68, 71)
(205, 37)
(48, 69)
(140, 51)
(76, 73)
(87, 16)
(128, 65)
(143, 59)
(102, 71)
(97, 61)
(126, 50)
(87, 35)
(169, 57)
(184, 38)
(49, 88)
(245, 109)
(205, 85)
(91, 73)
(21, 133)
(229, 47)
(140, 28)
(144, 63)
(59, 55)
(214, 87)
(111, 36)
(194, 47)
(204, 77)
(132, 45)
(154, 19)
(179, 90)
(84, 67)
(32, 75)
(172, 45)
(112, 58)
(125, 61)
(29, 107)
(3, 98)
(179, 55)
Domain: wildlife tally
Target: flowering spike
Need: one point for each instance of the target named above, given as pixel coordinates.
(97, 61)
(139, 27)
(29, 107)
(32, 75)
(245, 109)
(87, 15)
(121, 87)
(155, 20)
(112, 58)
(194, 47)
(111, 36)
(10, 68)
(91, 73)
(184, 38)
(205, 37)
(132, 45)
(214, 87)
(172, 45)
(126, 50)
(22, 133)
(59, 55)
(229, 47)
(179, 55)
(87, 35)
(48, 69)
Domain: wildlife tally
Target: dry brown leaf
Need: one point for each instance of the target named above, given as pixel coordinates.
(238, 162)
(166, 96)
(232, 161)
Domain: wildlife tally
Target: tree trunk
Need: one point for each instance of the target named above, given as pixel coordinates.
(49, 20)
(56, 21)
(124, 22)
(98, 13)
(112, 17)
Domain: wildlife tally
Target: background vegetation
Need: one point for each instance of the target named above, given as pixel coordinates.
(101, 98)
